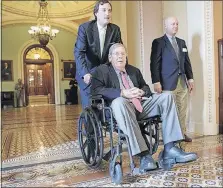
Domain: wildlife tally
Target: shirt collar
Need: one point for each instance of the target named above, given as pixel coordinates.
(100, 27)
(169, 36)
(118, 71)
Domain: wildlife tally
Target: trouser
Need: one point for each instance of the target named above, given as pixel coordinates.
(181, 97)
(159, 104)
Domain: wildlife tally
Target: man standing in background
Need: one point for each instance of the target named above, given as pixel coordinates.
(171, 69)
(92, 46)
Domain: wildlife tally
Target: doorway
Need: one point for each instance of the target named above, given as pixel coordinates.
(38, 77)
(35, 80)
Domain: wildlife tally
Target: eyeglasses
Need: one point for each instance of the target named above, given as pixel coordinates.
(119, 54)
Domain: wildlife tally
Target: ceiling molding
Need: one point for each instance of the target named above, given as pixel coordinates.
(64, 10)
(67, 15)
(68, 26)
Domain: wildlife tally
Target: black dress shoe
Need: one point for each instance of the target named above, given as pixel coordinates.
(147, 163)
(187, 139)
(175, 155)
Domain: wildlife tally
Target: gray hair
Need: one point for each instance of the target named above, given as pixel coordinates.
(114, 46)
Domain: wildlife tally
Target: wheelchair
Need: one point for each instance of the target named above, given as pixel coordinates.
(93, 124)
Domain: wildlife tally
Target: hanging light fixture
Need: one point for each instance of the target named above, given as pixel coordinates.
(43, 31)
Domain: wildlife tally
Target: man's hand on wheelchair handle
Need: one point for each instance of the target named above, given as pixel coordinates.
(87, 78)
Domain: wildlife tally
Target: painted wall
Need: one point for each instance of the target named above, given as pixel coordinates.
(177, 9)
(152, 28)
(196, 51)
(119, 18)
(14, 36)
(133, 33)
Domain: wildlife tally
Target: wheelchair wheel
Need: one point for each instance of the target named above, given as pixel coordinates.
(154, 144)
(90, 138)
(116, 172)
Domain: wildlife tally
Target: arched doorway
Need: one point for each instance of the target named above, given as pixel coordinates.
(38, 73)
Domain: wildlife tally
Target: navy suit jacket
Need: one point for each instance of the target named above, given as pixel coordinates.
(105, 81)
(164, 64)
(87, 48)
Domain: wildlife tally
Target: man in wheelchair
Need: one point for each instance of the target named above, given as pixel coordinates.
(123, 87)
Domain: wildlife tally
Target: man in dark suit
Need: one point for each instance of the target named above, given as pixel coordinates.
(130, 98)
(171, 69)
(92, 45)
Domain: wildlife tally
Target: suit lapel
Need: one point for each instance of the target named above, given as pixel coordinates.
(107, 40)
(132, 75)
(96, 39)
(115, 81)
(169, 46)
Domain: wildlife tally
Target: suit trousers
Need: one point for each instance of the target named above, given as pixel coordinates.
(181, 97)
(85, 97)
(158, 104)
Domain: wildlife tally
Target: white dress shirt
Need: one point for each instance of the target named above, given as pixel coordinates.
(102, 33)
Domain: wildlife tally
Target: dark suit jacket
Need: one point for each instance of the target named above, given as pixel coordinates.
(105, 81)
(165, 65)
(87, 48)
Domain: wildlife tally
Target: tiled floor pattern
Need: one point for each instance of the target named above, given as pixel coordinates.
(40, 148)
(206, 171)
(26, 130)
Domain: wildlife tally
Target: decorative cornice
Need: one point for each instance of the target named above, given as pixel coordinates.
(66, 15)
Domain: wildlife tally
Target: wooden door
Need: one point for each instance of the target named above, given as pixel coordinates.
(35, 79)
(220, 63)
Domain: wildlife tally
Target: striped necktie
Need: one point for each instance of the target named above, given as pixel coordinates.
(175, 46)
(135, 101)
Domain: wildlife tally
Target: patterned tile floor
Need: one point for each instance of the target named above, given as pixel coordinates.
(40, 149)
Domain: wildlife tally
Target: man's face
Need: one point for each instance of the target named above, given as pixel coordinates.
(118, 58)
(104, 14)
(6, 65)
(171, 26)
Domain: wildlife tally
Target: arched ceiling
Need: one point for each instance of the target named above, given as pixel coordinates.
(66, 14)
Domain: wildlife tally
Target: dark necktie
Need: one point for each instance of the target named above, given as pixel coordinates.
(135, 101)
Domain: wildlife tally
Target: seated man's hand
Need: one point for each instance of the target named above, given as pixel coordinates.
(138, 92)
(157, 87)
(132, 93)
(87, 78)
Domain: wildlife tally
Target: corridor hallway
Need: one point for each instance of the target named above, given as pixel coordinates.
(40, 149)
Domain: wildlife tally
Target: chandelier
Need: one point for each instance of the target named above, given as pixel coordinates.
(43, 31)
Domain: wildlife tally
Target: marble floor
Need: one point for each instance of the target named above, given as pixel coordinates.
(40, 149)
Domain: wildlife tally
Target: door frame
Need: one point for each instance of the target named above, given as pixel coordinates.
(220, 78)
(38, 61)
